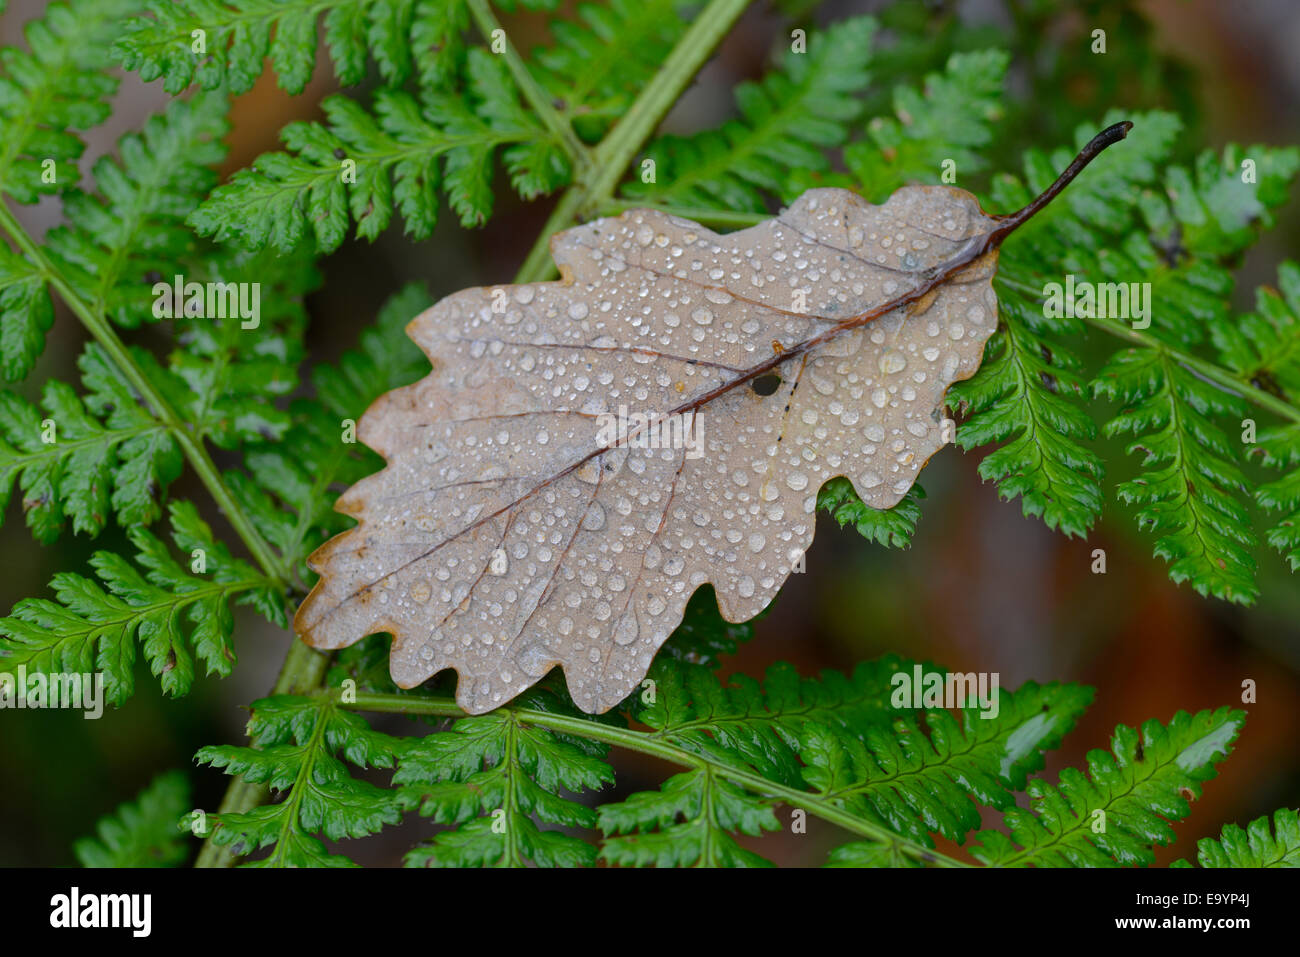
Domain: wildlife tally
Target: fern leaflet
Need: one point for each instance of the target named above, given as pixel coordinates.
(178, 613)
(1123, 806)
(143, 832)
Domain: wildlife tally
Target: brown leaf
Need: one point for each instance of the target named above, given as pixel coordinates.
(509, 533)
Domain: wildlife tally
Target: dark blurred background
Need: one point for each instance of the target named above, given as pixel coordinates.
(980, 589)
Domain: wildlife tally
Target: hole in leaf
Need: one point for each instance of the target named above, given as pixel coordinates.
(766, 384)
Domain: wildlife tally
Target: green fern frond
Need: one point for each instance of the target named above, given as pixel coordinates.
(863, 854)
(788, 120)
(85, 458)
(1186, 239)
(50, 92)
(177, 612)
(891, 527)
(1254, 847)
(917, 779)
(1026, 394)
(122, 237)
(1190, 494)
(143, 832)
(405, 154)
(47, 96)
(118, 243)
(745, 723)
(1113, 226)
(401, 36)
(1124, 805)
(688, 822)
(498, 774)
(214, 42)
(857, 757)
(296, 747)
(1263, 349)
(1283, 495)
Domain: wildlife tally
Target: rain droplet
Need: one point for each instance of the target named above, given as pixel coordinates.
(594, 520)
(625, 631)
(891, 361)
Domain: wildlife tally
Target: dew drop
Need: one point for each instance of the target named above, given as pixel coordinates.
(891, 361)
(625, 631)
(534, 660)
(594, 520)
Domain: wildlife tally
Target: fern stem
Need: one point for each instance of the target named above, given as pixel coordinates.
(537, 97)
(190, 444)
(612, 156)
(647, 744)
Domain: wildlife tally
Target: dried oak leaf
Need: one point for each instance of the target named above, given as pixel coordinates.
(507, 535)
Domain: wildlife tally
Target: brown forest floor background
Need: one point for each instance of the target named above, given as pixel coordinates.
(981, 588)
